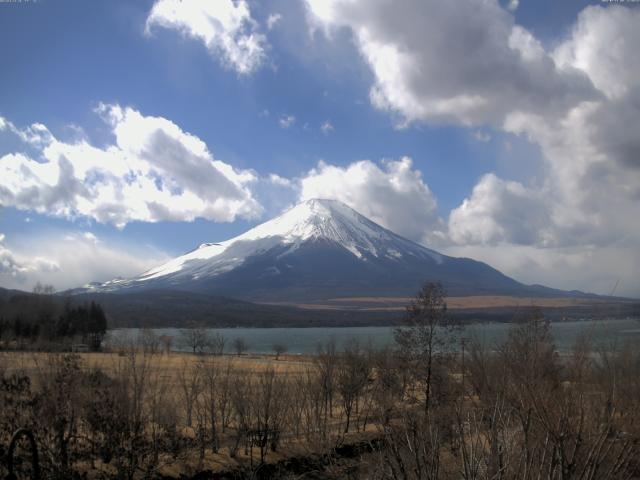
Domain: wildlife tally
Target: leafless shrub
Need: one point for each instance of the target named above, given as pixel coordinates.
(217, 343)
(240, 345)
(59, 410)
(326, 361)
(279, 349)
(195, 339)
(209, 404)
(149, 341)
(190, 385)
(352, 378)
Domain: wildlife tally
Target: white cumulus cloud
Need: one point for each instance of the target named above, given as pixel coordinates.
(454, 62)
(70, 259)
(16, 270)
(226, 28)
(392, 194)
(603, 45)
(500, 211)
(591, 152)
(153, 172)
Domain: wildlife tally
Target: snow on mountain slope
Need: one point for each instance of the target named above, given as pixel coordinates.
(329, 220)
(316, 246)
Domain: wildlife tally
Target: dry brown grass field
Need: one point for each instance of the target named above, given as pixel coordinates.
(167, 364)
(166, 380)
(453, 303)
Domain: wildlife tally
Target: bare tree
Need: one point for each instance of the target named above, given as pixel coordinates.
(388, 384)
(240, 345)
(279, 349)
(132, 374)
(160, 413)
(217, 343)
(352, 377)
(104, 417)
(149, 341)
(241, 400)
(269, 411)
(410, 447)
(531, 376)
(190, 383)
(223, 392)
(60, 379)
(299, 404)
(211, 372)
(424, 338)
(195, 339)
(326, 361)
(314, 405)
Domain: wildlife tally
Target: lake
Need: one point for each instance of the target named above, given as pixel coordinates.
(305, 340)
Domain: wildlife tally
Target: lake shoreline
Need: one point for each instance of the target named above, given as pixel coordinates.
(304, 340)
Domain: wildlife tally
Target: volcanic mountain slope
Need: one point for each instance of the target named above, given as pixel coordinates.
(316, 250)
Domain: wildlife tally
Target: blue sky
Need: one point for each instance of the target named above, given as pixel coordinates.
(84, 69)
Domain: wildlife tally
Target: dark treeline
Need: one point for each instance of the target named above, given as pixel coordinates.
(167, 308)
(162, 309)
(42, 318)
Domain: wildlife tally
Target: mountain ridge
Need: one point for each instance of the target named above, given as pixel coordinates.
(318, 249)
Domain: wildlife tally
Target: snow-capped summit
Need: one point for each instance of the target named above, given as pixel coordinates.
(326, 219)
(317, 249)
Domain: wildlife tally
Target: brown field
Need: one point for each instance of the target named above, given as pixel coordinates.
(168, 372)
(168, 365)
(455, 303)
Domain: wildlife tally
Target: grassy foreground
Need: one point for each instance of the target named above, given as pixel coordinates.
(429, 407)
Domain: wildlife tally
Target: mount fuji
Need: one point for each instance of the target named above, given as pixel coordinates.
(319, 249)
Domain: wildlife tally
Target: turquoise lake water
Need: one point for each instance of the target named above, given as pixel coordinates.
(606, 333)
